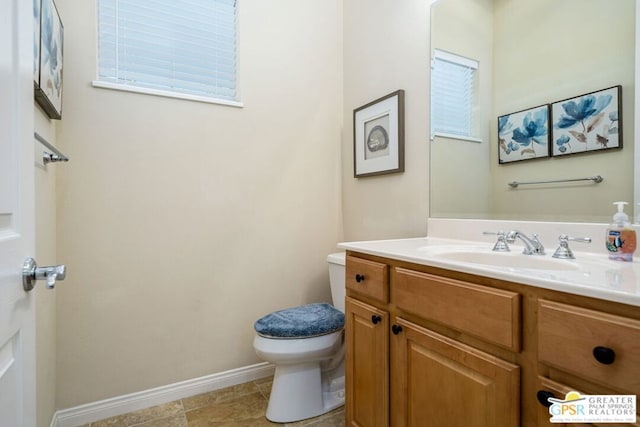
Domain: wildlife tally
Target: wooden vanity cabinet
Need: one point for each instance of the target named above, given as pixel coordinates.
(428, 347)
(586, 348)
(401, 373)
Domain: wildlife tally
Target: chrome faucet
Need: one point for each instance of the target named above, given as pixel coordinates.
(532, 245)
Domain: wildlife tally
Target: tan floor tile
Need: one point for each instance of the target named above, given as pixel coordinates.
(241, 410)
(110, 422)
(330, 419)
(262, 422)
(333, 419)
(264, 385)
(142, 416)
(243, 405)
(265, 380)
(179, 420)
(217, 396)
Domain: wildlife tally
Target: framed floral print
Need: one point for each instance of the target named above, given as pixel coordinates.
(48, 57)
(589, 122)
(523, 135)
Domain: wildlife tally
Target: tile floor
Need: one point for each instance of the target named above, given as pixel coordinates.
(240, 405)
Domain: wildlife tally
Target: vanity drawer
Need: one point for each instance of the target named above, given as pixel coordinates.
(568, 336)
(369, 278)
(546, 388)
(487, 313)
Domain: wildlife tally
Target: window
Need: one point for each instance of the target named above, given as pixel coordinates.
(179, 48)
(453, 81)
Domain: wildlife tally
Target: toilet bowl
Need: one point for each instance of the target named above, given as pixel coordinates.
(306, 345)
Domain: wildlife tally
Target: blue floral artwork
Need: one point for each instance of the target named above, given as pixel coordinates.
(48, 92)
(524, 135)
(36, 41)
(587, 123)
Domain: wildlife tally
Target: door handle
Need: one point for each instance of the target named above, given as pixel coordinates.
(31, 272)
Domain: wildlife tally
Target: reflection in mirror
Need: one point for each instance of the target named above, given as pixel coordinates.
(531, 53)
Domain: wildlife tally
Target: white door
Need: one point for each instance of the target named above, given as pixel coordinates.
(17, 320)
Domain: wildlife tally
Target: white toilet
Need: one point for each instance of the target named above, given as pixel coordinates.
(306, 344)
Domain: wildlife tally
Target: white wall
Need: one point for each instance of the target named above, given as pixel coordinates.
(183, 222)
(386, 48)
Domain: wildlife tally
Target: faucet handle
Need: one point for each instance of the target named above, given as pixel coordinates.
(564, 251)
(501, 245)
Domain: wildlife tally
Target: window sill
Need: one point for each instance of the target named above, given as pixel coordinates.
(166, 94)
(451, 136)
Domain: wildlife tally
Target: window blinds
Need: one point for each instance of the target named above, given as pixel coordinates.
(452, 88)
(183, 46)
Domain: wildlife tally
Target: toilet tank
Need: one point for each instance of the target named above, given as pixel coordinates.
(337, 279)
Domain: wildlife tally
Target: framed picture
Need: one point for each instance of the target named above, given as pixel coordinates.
(378, 136)
(523, 135)
(588, 122)
(48, 57)
(36, 42)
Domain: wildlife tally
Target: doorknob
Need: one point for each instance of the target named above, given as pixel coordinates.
(31, 272)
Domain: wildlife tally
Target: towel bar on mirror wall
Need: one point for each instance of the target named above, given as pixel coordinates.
(596, 179)
(47, 157)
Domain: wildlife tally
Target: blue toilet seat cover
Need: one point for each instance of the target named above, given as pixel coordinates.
(301, 322)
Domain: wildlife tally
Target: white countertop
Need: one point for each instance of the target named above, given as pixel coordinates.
(590, 274)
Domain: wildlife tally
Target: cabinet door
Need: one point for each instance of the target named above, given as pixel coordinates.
(437, 381)
(367, 365)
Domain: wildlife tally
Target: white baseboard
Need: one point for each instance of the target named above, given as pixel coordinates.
(84, 414)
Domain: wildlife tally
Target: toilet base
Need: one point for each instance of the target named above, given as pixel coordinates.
(302, 391)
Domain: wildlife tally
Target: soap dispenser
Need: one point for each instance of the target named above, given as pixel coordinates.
(621, 237)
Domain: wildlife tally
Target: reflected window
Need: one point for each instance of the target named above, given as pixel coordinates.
(453, 85)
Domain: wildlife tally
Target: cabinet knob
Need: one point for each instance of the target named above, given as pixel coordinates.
(359, 278)
(375, 319)
(396, 329)
(543, 397)
(604, 355)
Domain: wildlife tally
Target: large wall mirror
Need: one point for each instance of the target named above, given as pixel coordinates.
(531, 53)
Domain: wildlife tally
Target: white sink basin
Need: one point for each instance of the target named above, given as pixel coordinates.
(503, 259)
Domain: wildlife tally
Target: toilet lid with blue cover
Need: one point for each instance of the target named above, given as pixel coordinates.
(306, 321)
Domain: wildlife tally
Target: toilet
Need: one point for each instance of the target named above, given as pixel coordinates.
(306, 345)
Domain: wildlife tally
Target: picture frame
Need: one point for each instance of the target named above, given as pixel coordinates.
(378, 136)
(48, 56)
(589, 122)
(524, 135)
(37, 6)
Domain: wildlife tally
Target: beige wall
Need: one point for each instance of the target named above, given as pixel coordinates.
(386, 48)
(544, 51)
(464, 28)
(574, 61)
(45, 217)
(184, 222)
